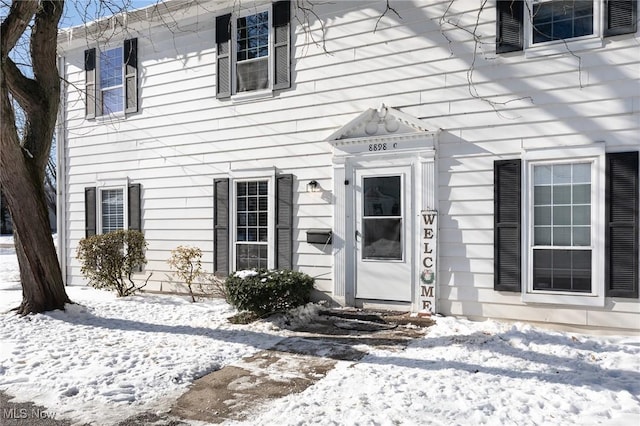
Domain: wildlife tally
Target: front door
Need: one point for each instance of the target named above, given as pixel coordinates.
(382, 236)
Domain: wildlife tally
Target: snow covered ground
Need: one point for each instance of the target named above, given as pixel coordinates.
(106, 359)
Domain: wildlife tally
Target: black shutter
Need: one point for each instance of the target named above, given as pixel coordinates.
(281, 45)
(223, 56)
(89, 212)
(131, 75)
(284, 222)
(509, 25)
(221, 226)
(135, 207)
(620, 17)
(507, 239)
(90, 82)
(621, 239)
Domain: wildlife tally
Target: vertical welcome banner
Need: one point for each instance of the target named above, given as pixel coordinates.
(428, 267)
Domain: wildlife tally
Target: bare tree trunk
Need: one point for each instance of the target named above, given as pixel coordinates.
(23, 161)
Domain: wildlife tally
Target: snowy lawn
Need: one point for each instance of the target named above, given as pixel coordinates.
(107, 359)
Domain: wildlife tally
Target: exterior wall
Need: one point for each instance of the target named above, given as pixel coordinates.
(427, 64)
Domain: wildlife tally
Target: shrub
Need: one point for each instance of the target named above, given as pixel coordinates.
(187, 261)
(265, 291)
(110, 260)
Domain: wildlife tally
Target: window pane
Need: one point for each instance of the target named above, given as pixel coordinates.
(542, 236)
(111, 68)
(112, 210)
(252, 188)
(382, 239)
(242, 188)
(542, 175)
(251, 256)
(382, 196)
(562, 19)
(542, 195)
(561, 215)
(582, 173)
(561, 174)
(561, 236)
(582, 215)
(542, 215)
(581, 236)
(112, 101)
(582, 194)
(251, 224)
(562, 270)
(562, 194)
(252, 75)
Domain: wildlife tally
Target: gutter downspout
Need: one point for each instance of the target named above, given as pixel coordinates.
(61, 176)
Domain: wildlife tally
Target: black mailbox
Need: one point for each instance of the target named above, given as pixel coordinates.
(319, 236)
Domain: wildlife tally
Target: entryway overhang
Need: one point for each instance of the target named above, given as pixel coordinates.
(386, 148)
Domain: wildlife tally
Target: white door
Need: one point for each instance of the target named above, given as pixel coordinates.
(383, 237)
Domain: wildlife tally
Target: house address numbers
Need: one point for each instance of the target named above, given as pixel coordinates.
(382, 146)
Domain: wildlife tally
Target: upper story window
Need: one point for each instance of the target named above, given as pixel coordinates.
(253, 56)
(561, 19)
(543, 27)
(111, 80)
(111, 77)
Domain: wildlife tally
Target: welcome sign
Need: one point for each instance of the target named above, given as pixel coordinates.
(428, 267)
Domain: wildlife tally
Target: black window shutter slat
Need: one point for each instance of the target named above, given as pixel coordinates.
(223, 56)
(509, 26)
(223, 28)
(507, 220)
(221, 227)
(131, 75)
(90, 82)
(135, 206)
(620, 17)
(281, 13)
(282, 45)
(90, 59)
(284, 222)
(622, 229)
(89, 212)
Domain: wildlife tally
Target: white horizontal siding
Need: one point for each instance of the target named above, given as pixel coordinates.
(486, 106)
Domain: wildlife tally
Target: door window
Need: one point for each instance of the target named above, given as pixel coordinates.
(382, 218)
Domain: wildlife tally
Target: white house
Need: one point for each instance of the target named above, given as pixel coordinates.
(465, 157)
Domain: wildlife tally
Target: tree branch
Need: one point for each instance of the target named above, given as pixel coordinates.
(25, 90)
(43, 40)
(388, 8)
(15, 23)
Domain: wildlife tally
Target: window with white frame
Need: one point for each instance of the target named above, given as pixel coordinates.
(567, 226)
(112, 212)
(253, 54)
(561, 19)
(252, 224)
(111, 81)
(562, 241)
(547, 27)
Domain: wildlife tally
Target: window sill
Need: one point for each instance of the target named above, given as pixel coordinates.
(592, 300)
(243, 97)
(110, 117)
(564, 46)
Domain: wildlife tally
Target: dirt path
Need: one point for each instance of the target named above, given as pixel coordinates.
(294, 364)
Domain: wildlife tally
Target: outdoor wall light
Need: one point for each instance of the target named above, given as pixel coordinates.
(313, 186)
